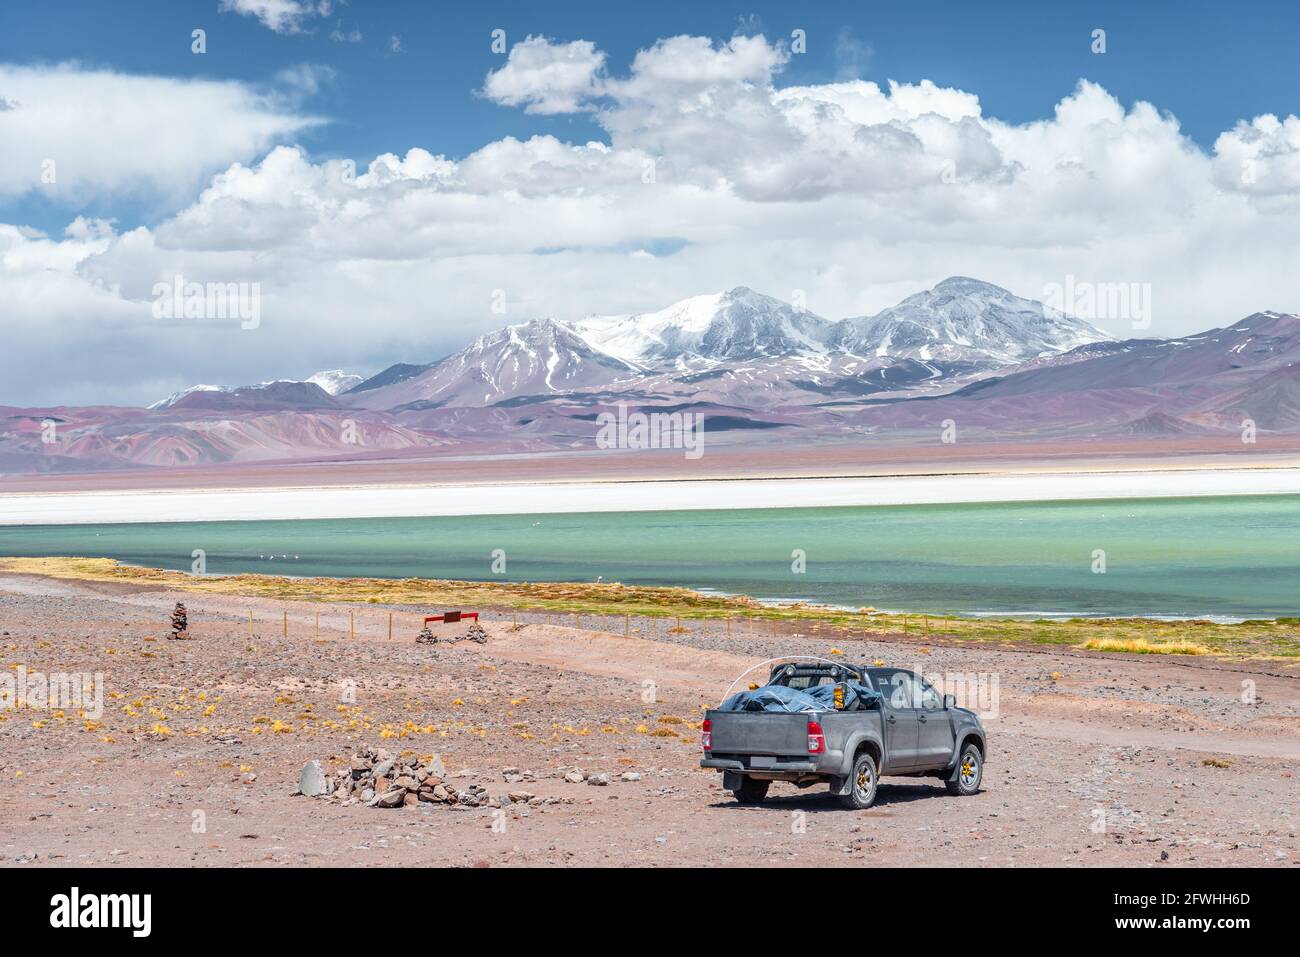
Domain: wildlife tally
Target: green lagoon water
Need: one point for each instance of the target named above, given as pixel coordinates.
(1232, 557)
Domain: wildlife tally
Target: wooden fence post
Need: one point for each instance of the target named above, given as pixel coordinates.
(352, 624)
(286, 623)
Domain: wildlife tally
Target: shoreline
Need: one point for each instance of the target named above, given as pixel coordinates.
(740, 599)
(1257, 639)
(560, 497)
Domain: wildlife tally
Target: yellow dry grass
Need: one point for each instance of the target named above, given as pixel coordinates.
(1144, 646)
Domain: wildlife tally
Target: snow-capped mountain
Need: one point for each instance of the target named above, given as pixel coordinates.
(965, 321)
(737, 324)
(285, 395)
(1211, 382)
(331, 381)
(540, 357)
(336, 381)
(177, 396)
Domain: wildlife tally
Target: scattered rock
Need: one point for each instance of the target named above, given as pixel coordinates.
(435, 766)
(474, 796)
(600, 780)
(391, 798)
(312, 782)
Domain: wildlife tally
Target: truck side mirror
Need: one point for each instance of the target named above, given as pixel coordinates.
(949, 701)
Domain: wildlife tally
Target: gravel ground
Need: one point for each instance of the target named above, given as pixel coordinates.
(1095, 759)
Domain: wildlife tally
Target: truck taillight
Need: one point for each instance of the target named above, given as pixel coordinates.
(816, 738)
(706, 735)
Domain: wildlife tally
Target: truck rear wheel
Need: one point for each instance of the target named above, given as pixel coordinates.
(969, 772)
(752, 791)
(862, 783)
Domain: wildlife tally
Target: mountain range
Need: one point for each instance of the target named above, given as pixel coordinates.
(746, 347)
(759, 369)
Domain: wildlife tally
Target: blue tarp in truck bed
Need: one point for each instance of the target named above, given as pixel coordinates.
(779, 698)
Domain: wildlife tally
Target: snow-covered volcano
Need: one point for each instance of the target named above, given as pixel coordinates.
(964, 320)
(737, 324)
(331, 382)
(536, 358)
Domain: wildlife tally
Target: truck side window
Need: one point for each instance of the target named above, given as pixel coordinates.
(930, 699)
(898, 688)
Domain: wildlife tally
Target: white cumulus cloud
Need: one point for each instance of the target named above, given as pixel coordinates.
(546, 77)
(73, 132)
(282, 16)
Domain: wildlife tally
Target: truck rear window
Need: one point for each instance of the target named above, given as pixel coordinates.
(802, 682)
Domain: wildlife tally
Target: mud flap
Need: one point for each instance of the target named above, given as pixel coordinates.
(732, 780)
(956, 768)
(840, 786)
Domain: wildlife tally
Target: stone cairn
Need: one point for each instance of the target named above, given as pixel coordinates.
(473, 633)
(180, 623)
(377, 778)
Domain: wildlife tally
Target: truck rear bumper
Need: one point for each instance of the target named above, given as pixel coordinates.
(826, 765)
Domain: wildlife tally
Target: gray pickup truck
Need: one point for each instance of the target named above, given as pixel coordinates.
(908, 729)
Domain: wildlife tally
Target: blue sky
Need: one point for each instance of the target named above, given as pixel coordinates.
(1209, 64)
(909, 143)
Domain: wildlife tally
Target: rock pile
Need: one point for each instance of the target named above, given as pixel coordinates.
(473, 633)
(377, 778)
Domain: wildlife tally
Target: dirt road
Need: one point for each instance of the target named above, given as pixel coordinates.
(1095, 759)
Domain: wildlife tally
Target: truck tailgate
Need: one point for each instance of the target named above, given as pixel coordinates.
(759, 732)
